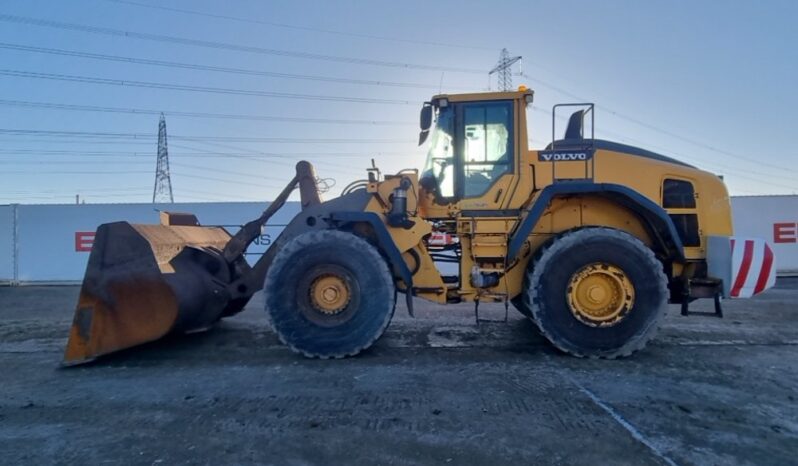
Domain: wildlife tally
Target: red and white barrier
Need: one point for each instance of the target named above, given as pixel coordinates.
(753, 267)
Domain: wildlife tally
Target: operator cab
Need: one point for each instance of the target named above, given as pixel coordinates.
(471, 147)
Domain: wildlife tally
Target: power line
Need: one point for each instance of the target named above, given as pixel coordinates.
(140, 155)
(94, 134)
(694, 141)
(23, 139)
(190, 88)
(609, 110)
(173, 164)
(225, 180)
(224, 46)
(223, 116)
(68, 162)
(297, 27)
(657, 129)
(220, 69)
(718, 167)
(200, 154)
(208, 193)
(80, 189)
(767, 178)
(270, 156)
(229, 172)
(714, 165)
(734, 171)
(66, 172)
(70, 198)
(251, 49)
(116, 172)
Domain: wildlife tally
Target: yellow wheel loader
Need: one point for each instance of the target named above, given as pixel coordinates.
(590, 239)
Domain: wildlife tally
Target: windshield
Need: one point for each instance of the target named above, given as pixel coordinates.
(439, 167)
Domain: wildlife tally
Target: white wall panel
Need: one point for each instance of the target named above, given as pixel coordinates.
(52, 238)
(47, 248)
(774, 218)
(6, 243)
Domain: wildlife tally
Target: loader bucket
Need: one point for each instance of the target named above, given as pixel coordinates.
(145, 281)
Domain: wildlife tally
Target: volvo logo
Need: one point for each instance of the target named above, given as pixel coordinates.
(564, 156)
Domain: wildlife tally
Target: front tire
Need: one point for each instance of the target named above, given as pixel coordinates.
(329, 294)
(597, 292)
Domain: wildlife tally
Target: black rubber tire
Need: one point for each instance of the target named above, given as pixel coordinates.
(359, 324)
(519, 303)
(551, 272)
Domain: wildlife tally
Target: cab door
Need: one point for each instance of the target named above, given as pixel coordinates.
(485, 153)
(485, 158)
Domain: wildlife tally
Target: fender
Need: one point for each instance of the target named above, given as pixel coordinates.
(654, 217)
(385, 243)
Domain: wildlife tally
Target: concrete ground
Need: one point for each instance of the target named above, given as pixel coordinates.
(437, 389)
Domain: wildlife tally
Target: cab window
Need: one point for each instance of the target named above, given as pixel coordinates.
(487, 145)
(677, 194)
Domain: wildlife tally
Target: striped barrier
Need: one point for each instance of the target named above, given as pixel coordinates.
(753, 268)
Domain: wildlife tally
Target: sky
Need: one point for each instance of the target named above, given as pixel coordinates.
(250, 87)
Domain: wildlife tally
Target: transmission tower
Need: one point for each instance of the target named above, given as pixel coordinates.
(163, 183)
(503, 70)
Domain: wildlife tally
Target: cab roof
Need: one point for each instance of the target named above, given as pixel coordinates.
(477, 96)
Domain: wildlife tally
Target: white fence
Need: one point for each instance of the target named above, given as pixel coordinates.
(774, 218)
(7, 243)
(51, 243)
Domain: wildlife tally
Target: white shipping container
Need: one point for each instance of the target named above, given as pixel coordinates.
(774, 218)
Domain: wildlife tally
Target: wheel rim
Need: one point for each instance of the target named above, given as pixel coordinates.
(600, 294)
(329, 294)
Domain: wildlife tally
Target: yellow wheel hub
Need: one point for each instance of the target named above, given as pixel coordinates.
(600, 294)
(329, 294)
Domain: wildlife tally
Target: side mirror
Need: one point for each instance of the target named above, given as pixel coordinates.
(425, 119)
(425, 122)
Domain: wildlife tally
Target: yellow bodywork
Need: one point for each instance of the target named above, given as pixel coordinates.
(484, 238)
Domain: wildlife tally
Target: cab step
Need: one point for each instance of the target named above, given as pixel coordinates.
(501, 297)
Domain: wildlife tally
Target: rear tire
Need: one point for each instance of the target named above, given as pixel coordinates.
(329, 294)
(612, 313)
(519, 303)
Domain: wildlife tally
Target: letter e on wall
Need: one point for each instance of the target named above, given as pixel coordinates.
(84, 240)
(784, 232)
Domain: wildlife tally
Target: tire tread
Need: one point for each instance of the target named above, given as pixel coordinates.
(568, 240)
(299, 244)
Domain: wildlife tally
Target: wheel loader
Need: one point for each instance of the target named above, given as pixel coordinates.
(588, 238)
